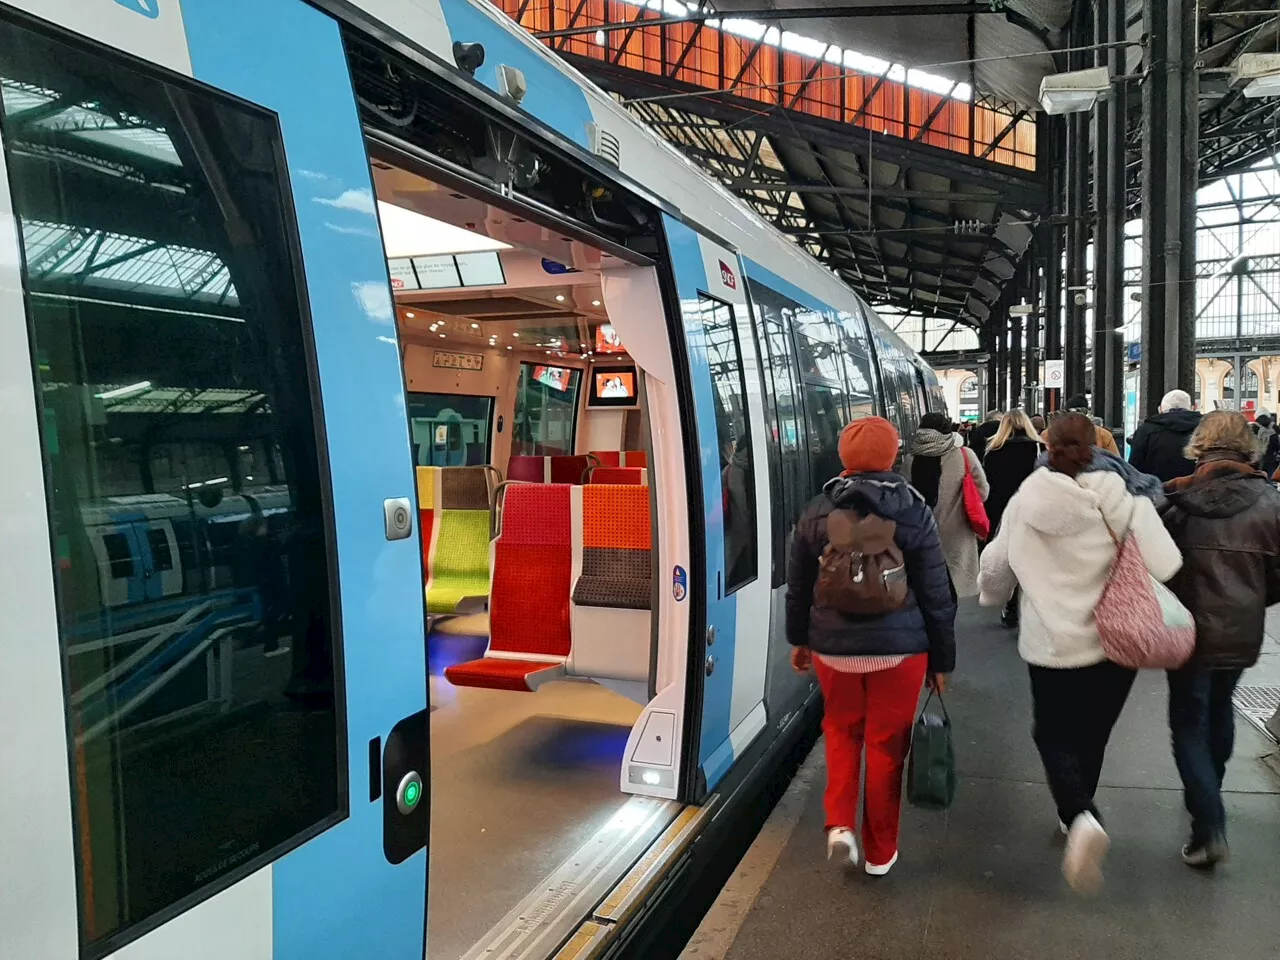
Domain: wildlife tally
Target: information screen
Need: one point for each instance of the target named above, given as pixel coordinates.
(613, 388)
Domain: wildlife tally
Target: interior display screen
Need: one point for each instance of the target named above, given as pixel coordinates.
(613, 388)
(607, 340)
(557, 378)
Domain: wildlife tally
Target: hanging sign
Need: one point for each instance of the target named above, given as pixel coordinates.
(458, 361)
(1054, 374)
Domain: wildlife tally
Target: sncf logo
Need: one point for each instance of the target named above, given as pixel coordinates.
(727, 277)
(148, 8)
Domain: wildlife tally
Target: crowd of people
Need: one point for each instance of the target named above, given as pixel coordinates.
(882, 557)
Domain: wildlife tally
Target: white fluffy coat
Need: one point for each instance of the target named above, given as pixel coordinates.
(1054, 544)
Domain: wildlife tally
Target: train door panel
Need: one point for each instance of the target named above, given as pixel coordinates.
(220, 285)
(728, 407)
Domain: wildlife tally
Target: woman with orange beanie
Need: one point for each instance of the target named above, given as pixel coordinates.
(870, 610)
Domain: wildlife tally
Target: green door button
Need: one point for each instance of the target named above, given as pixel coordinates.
(409, 792)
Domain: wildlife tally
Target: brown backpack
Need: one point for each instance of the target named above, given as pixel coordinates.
(861, 571)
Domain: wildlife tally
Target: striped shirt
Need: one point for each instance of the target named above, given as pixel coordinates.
(859, 664)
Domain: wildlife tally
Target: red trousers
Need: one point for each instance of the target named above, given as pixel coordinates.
(875, 709)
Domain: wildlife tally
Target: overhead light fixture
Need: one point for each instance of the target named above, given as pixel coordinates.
(508, 346)
(600, 38)
(124, 391)
(407, 233)
(595, 303)
(409, 314)
(475, 326)
(442, 336)
(559, 298)
(1074, 92)
(1258, 73)
(515, 333)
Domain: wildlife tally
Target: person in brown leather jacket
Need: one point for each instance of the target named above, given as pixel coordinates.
(1225, 518)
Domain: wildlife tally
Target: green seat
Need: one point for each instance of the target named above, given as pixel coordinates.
(460, 561)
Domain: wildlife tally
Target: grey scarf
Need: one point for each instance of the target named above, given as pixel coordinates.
(1137, 483)
(931, 443)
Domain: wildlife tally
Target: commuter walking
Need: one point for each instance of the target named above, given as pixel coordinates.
(870, 610)
(1103, 438)
(981, 435)
(936, 467)
(1055, 542)
(1011, 458)
(1268, 443)
(1158, 443)
(1225, 517)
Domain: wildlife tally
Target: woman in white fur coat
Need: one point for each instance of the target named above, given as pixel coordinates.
(1054, 544)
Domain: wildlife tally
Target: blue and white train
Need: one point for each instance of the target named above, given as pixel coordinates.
(237, 239)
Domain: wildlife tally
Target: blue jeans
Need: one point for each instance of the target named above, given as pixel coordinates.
(1203, 727)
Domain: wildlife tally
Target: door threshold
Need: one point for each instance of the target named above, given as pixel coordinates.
(536, 927)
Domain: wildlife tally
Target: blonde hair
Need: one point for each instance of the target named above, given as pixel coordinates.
(1014, 422)
(1223, 431)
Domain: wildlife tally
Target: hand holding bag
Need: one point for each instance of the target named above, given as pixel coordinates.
(1141, 624)
(974, 508)
(931, 772)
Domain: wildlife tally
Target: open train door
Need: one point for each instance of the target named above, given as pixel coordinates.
(729, 659)
(168, 281)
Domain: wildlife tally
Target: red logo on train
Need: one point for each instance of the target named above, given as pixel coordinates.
(727, 277)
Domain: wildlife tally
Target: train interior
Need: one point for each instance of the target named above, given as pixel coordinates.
(531, 451)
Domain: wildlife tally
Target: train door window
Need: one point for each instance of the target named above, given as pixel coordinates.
(780, 381)
(164, 304)
(862, 399)
(450, 430)
(724, 356)
(826, 419)
(161, 555)
(546, 411)
(119, 555)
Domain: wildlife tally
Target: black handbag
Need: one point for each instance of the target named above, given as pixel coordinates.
(931, 772)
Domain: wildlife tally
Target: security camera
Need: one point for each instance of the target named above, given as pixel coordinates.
(468, 56)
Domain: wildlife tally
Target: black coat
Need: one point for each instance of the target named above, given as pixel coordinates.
(1157, 444)
(1226, 522)
(981, 435)
(1006, 468)
(926, 624)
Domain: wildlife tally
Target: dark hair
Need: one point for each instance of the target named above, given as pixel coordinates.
(1071, 439)
(937, 421)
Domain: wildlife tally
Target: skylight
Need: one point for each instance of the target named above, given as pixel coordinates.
(817, 49)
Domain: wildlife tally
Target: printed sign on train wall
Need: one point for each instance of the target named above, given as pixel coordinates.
(727, 277)
(458, 361)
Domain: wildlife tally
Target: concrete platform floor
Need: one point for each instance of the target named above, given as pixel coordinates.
(984, 881)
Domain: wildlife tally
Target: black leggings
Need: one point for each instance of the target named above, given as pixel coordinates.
(1074, 712)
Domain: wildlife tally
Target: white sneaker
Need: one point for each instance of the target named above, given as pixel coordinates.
(1087, 845)
(842, 847)
(880, 869)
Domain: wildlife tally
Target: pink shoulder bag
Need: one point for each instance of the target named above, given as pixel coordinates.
(1141, 624)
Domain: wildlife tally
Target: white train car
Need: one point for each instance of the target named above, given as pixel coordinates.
(532, 405)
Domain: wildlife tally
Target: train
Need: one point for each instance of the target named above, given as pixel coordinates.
(403, 445)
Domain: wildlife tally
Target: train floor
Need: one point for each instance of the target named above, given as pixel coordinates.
(984, 881)
(519, 782)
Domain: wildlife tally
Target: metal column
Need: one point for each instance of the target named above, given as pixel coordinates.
(1015, 360)
(1102, 252)
(991, 400)
(1078, 218)
(1115, 214)
(1000, 314)
(1170, 158)
(1035, 323)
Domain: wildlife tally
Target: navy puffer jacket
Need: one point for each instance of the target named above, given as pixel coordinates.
(925, 624)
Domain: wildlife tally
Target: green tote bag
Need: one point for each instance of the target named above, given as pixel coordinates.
(931, 773)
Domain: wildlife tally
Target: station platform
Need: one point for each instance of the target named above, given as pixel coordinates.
(984, 880)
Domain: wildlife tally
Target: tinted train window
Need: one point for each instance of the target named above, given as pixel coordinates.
(546, 411)
(170, 346)
(737, 483)
(824, 406)
(781, 381)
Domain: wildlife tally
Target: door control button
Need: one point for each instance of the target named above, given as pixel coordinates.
(397, 514)
(409, 793)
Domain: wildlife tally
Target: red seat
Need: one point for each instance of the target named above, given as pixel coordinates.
(529, 469)
(529, 635)
(608, 458)
(568, 469)
(496, 673)
(634, 458)
(624, 476)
